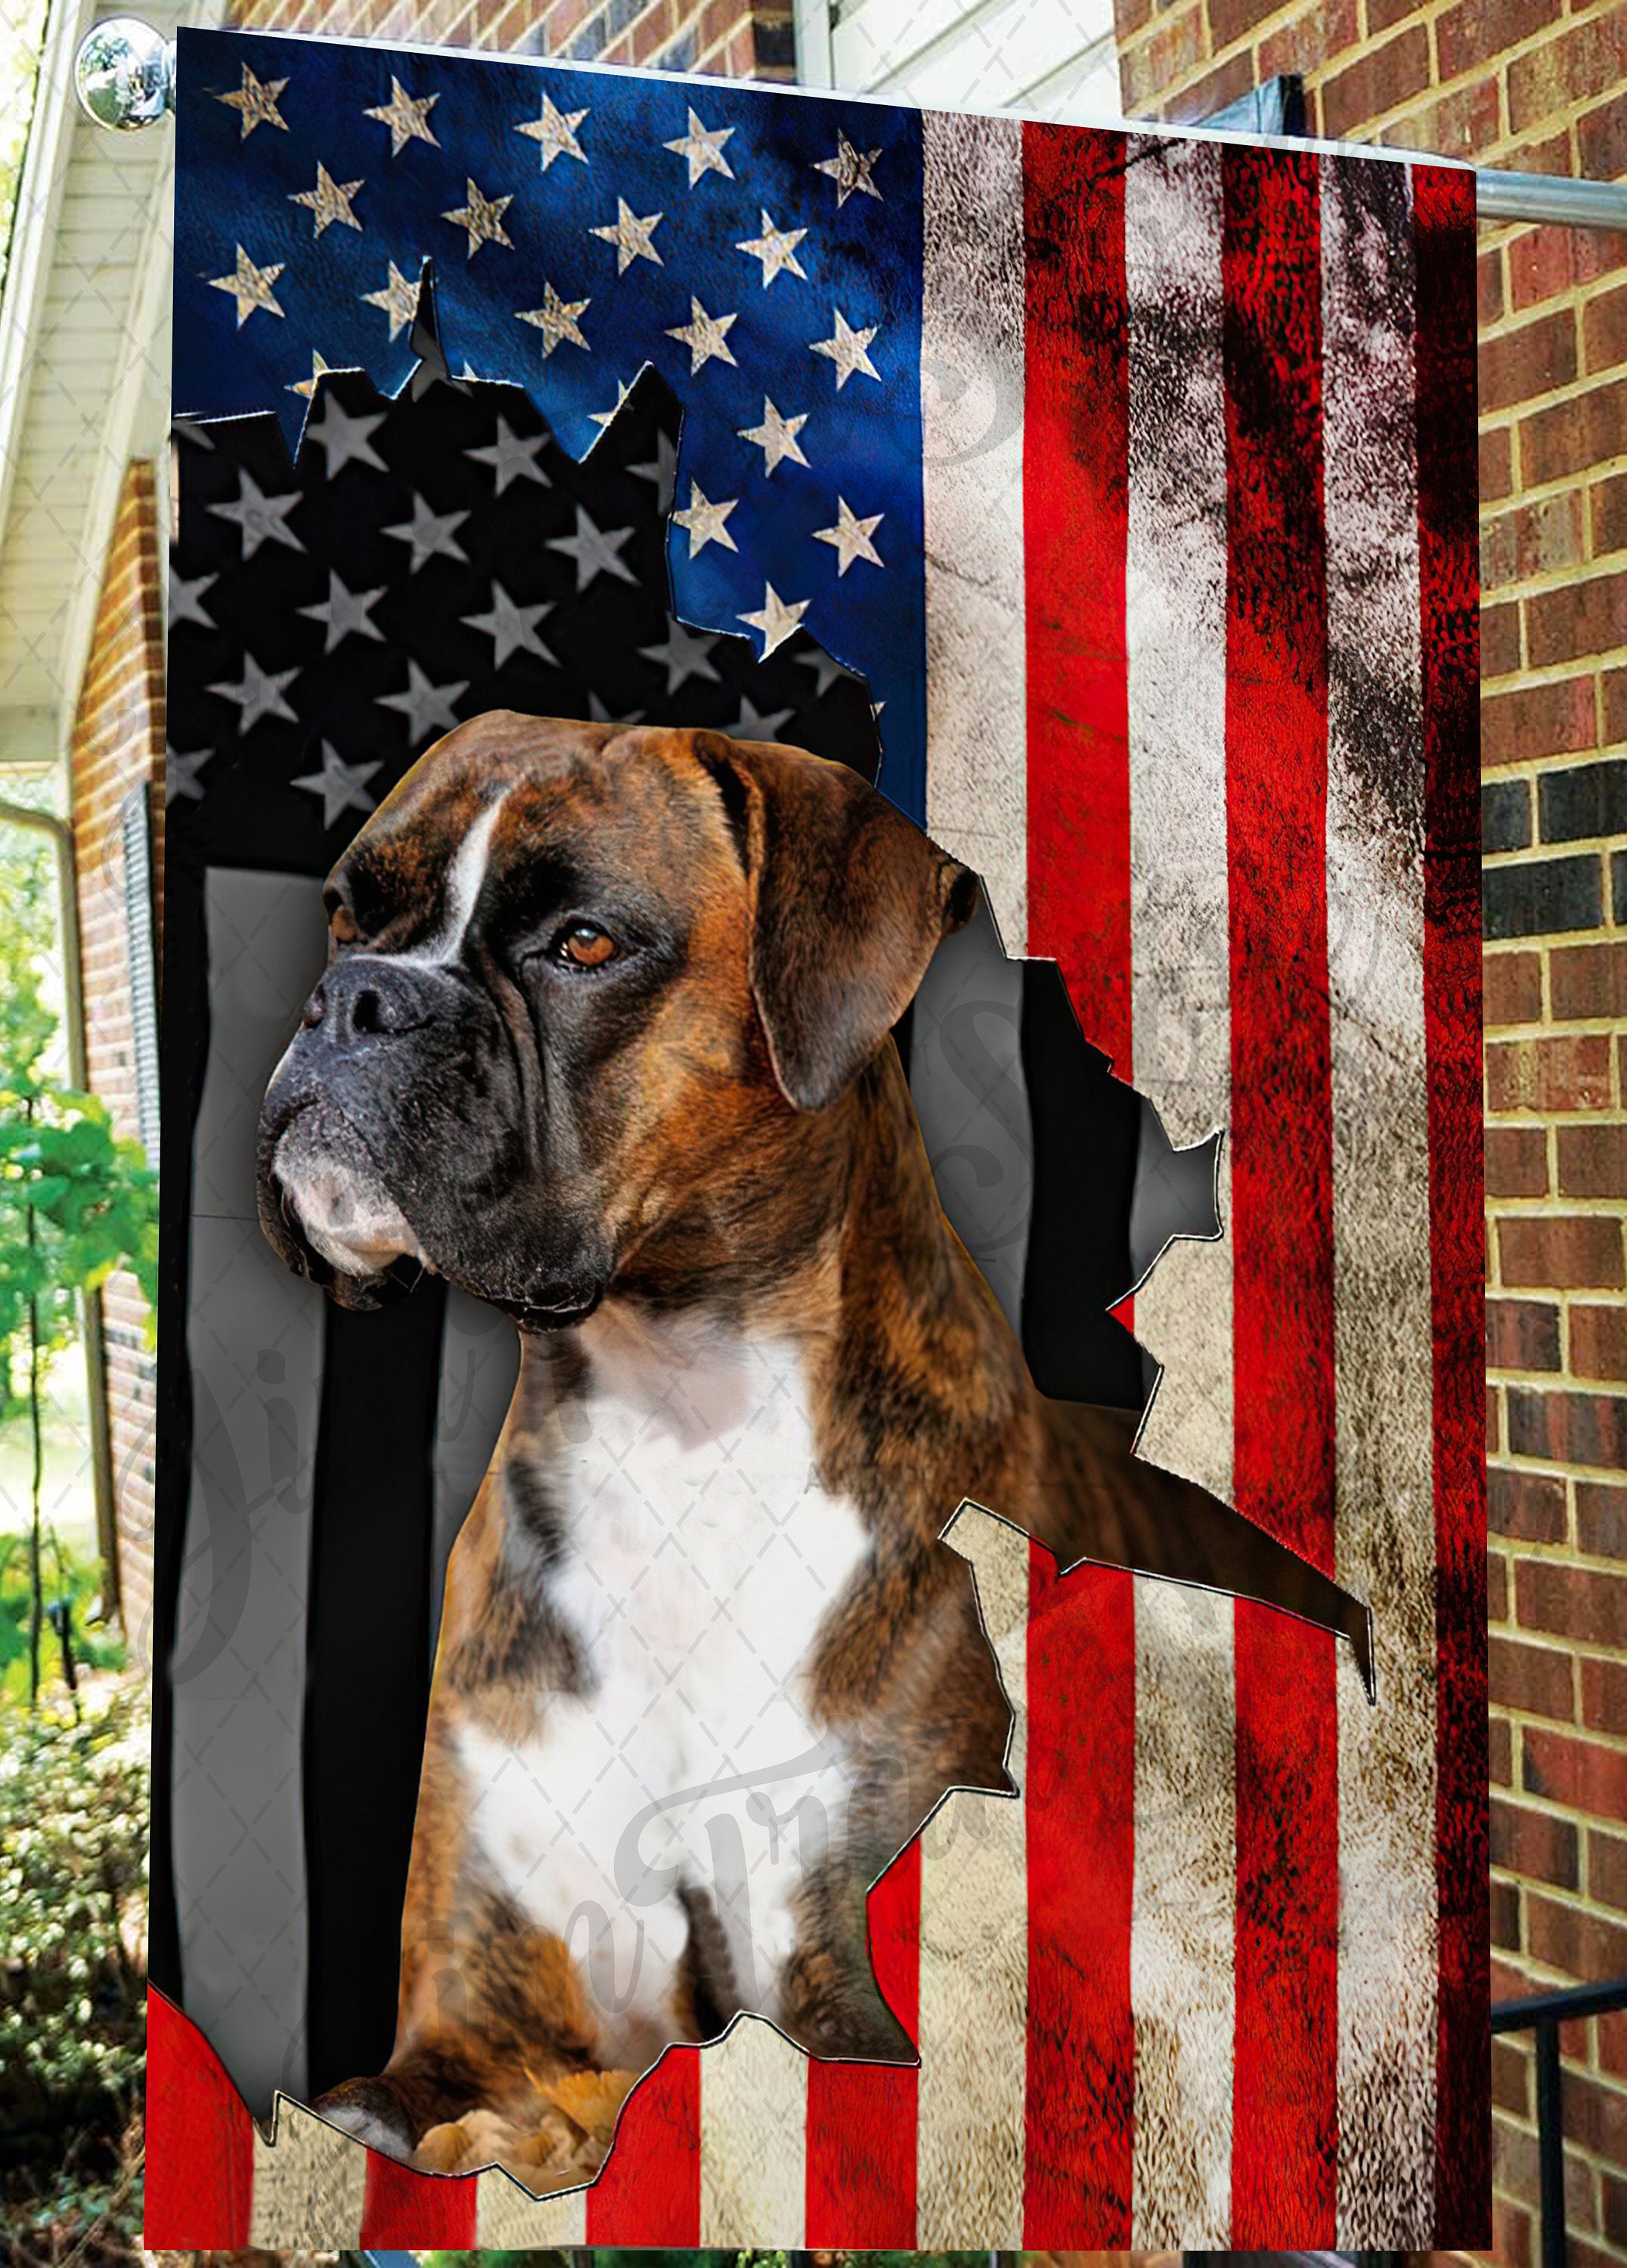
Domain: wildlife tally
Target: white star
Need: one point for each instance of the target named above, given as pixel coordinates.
(851, 536)
(185, 600)
(399, 298)
(423, 705)
(703, 146)
(308, 386)
(825, 670)
(342, 786)
(775, 619)
(511, 457)
(630, 236)
(748, 725)
(595, 551)
(482, 217)
(328, 202)
(344, 437)
(659, 470)
(846, 348)
(255, 102)
(607, 418)
(776, 248)
(600, 715)
(343, 611)
(406, 118)
(703, 521)
(775, 437)
(513, 628)
(557, 320)
(705, 335)
(250, 287)
(181, 775)
(429, 532)
(683, 655)
(258, 694)
(261, 518)
(555, 133)
(850, 169)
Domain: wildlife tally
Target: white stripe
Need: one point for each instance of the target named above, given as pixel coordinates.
(1182, 1931)
(974, 2032)
(1384, 1501)
(753, 2138)
(507, 2218)
(309, 2184)
(972, 363)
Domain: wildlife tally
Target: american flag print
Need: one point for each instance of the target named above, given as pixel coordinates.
(1134, 474)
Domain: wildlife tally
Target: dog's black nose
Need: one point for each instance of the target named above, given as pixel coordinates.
(369, 995)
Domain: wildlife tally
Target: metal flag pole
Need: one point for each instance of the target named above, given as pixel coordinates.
(124, 76)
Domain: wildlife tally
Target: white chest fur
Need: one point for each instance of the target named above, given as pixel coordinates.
(700, 1557)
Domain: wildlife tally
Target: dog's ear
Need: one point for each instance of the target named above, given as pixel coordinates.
(850, 902)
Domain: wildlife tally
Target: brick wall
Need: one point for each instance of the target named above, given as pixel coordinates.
(736, 39)
(118, 744)
(1538, 86)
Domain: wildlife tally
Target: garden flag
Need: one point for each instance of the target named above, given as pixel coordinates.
(1108, 497)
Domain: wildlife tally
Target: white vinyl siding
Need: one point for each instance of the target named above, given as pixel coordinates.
(1042, 58)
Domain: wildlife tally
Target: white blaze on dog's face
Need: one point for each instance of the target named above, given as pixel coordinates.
(584, 985)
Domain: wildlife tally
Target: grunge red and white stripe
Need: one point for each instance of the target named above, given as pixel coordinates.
(1199, 523)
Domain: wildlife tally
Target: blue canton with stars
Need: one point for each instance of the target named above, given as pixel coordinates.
(762, 250)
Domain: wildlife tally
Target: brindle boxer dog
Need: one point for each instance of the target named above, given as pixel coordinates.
(604, 1038)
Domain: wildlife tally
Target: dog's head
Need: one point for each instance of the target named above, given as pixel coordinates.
(582, 978)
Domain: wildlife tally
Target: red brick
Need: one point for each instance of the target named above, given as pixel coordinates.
(1311, 43)
(1589, 981)
(1570, 435)
(1534, 1681)
(1613, 2195)
(1599, 1344)
(1488, 285)
(1513, 988)
(1497, 1588)
(1456, 123)
(1499, 640)
(1604, 327)
(1542, 264)
(1235, 19)
(1500, 1752)
(1532, 540)
(1504, 1903)
(1218, 86)
(1496, 464)
(1595, 2113)
(1601, 1520)
(1615, 706)
(1570, 1429)
(1610, 2035)
(1521, 1334)
(1379, 80)
(1569, 70)
(1569, 1073)
(1575, 1603)
(1579, 618)
(1511, 2234)
(1516, 1161)
(1569, 1251)
(1518, 365)
(1602, 140)
(1527, 1507)
(1604, 1696)
(1477, 30)
(1582, 1945)
(1607, 1876)
(1535, 1844)
(1593, 1162)
(1511, 2078)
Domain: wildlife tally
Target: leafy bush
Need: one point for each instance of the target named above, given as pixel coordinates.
(73, 1587)
(73, 1808)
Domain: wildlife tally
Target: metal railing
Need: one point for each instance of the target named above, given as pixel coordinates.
(1542, 2014)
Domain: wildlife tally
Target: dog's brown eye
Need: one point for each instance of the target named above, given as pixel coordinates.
(587, 946)
(344, 925)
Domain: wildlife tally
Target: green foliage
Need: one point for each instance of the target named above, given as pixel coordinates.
(72, 1592)
(73, 1806)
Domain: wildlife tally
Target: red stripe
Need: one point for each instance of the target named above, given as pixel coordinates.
(1075, 507)
(649, 2191)
(1080, 1811)
(200, 2171)
(1284, 2147)
(861, 2129)
(416, 2211)
(1444, 206)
